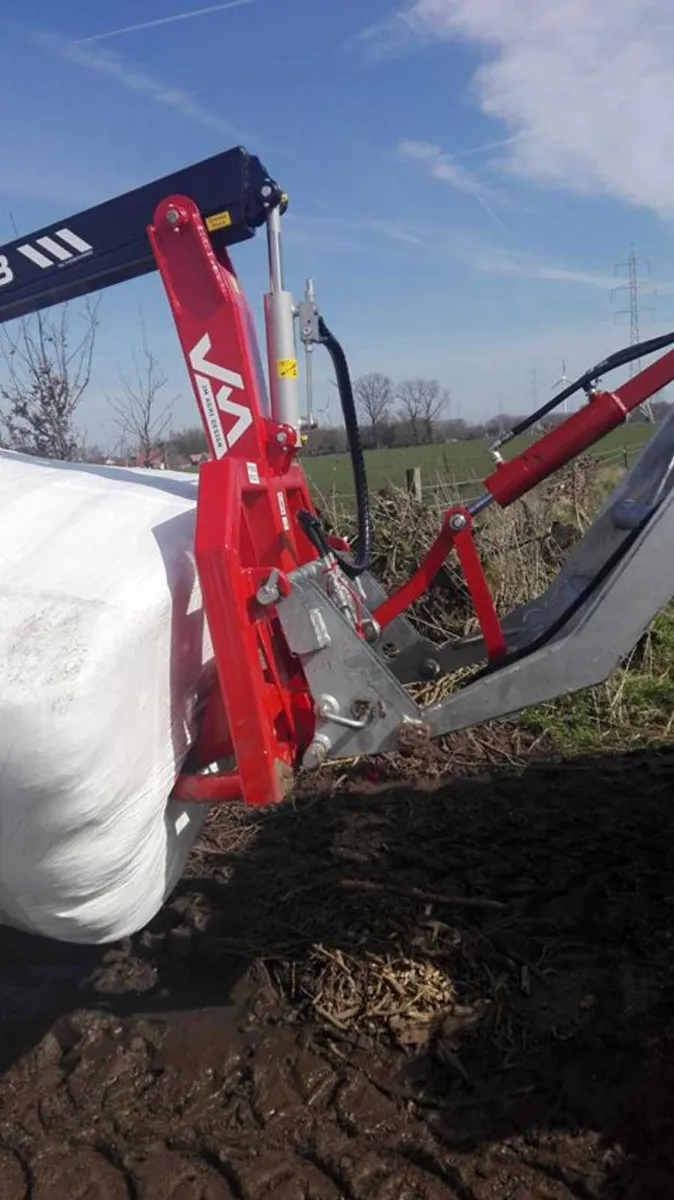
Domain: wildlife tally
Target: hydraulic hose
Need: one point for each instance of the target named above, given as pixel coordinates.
(615, 360)
(362, 558)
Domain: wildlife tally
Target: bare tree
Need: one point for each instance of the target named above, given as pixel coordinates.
(421, 402)
(48, 369)
(326, 439)
(190, 440)
(374, 396)
(139, 415)
(434, 402)
(456, 429)
(409, 399)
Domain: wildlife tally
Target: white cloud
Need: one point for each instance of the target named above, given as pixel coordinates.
(334, 233)
(443, 167)
(56, 181)
(476, 378)
(527, 266)
(181, 16)
(104, 62)
(474, 151)
(396, 231)
(388, 38)
(586, 86)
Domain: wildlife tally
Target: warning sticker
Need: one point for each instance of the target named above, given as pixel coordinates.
(283, 511)
(218, 221)
(287, 368)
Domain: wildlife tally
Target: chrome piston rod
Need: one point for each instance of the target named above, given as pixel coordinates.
(280, 334)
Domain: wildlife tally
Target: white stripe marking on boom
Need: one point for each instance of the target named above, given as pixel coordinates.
(34, 255)
(77, 243)
(53, 247)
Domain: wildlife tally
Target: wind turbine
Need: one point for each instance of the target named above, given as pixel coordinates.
(561, 383)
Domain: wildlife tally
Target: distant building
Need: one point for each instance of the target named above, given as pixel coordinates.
(156, 460)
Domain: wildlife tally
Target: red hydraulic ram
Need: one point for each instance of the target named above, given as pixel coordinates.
(603, 412)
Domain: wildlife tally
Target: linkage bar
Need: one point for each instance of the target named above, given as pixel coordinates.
(457, 534)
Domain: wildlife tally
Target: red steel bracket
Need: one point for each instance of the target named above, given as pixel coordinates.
(249, 494)
(457, 533)
(481, 597)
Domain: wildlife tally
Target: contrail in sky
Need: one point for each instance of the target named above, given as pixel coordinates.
(183, 16)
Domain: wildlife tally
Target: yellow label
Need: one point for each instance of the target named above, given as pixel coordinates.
(287, 368)
(218, 221)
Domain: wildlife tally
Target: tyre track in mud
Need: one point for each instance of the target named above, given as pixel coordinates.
(244, 1045)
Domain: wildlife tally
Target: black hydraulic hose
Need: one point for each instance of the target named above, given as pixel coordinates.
(618, 359)
(361, 561)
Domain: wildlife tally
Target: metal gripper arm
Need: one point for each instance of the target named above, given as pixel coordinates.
(571, 638)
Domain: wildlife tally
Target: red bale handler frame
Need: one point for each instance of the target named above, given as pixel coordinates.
(311, 657)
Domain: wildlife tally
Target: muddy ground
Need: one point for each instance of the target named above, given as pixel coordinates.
(395, 988)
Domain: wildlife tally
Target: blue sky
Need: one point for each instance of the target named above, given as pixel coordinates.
(463, 174)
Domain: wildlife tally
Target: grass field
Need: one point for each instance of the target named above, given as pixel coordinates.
(330, 474)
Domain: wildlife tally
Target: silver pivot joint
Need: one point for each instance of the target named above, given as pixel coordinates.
(307, 313)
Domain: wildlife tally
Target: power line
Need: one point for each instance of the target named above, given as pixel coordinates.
(634, 288)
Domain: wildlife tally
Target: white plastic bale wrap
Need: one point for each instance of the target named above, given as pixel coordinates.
(103, 658)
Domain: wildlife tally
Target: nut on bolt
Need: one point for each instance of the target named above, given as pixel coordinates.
(412, 734)
(430, 668)
(327, 707)
(269, 592)
(175, 217)
(371, 629)
(457, 522)
(317, 752)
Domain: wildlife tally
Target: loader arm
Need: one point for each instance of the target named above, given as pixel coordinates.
(109, 243)
(311, 656)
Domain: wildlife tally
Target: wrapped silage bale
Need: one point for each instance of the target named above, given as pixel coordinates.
(104, 657)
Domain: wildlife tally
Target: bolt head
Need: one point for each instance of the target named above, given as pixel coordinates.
(282, 437)
(172, 216)
(268, 595)
(430, 669)
(327, 707)
(371, 629)
(457, 522)
(316, 753)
